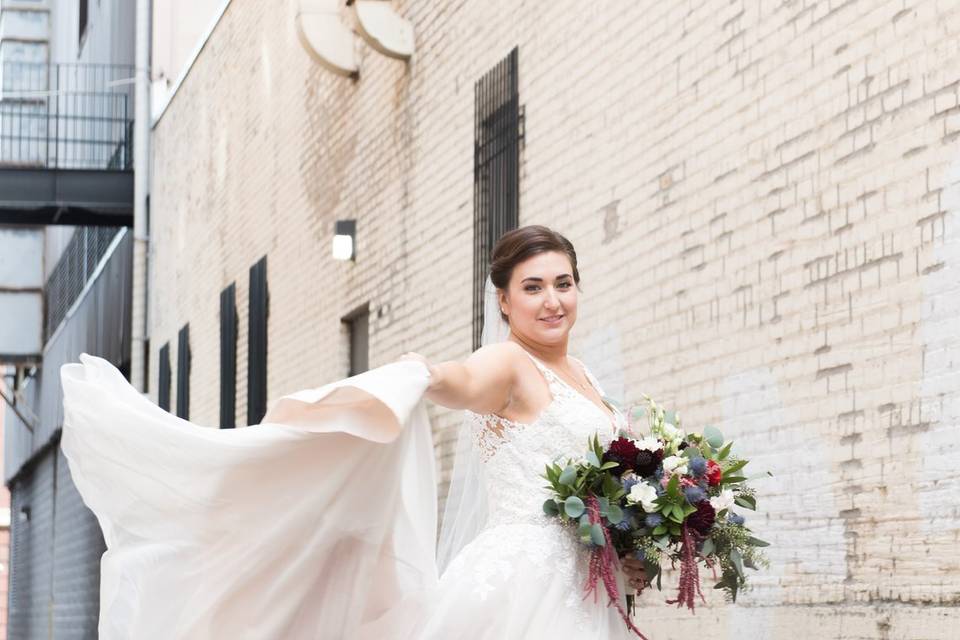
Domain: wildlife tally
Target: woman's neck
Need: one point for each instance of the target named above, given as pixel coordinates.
(548, 353)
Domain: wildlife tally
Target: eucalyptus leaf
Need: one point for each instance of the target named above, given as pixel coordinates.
(596, 535)
(593, 459)
(708, 547)
(614, 514)
(671, 417)
(692, 451)
(568, 476)
(604, 504)
(550, 508)
(573, 507)
(737, 561)
(713, 436)
(723, 453)
(757, 542)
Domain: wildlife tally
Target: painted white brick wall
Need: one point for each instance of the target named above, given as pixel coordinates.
(764, 196)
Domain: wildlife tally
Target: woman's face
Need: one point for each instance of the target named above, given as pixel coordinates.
(541, 298)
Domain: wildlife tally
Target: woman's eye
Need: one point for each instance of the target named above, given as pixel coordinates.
(565, 285)
(531, 287)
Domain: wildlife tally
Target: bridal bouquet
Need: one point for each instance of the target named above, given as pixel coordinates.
(668, 495)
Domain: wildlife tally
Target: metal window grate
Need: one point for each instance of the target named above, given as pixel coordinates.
(84, 15)
(183, 372)
(163, 378)
(86, 248)
(257, 343)
(228, 357)
(498, 131)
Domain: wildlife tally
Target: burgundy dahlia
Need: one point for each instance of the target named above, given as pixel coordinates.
(624, 452)
(647, 462)
(702, 520)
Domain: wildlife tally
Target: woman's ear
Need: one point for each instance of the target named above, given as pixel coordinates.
(502, 301)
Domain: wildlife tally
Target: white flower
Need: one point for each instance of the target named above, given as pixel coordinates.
(649, 443)
(674, 464)
(670, 432)
(644, 495)
(722, 501)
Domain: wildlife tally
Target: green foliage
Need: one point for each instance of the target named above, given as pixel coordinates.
(713, 436)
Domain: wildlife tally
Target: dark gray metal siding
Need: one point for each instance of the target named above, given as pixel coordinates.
(77, 547)
(99, 323)
(54, 555)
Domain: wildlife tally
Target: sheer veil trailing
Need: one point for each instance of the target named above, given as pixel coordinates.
(466, 508)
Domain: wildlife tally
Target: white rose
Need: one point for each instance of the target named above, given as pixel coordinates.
(644, 495)
(650, 444)
(674, 464)
(722, 501)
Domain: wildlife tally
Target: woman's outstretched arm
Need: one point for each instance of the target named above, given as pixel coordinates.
(482, 383)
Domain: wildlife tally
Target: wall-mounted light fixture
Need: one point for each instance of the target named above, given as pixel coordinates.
(345, 240)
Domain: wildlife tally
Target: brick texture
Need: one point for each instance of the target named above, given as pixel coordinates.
(764, 198)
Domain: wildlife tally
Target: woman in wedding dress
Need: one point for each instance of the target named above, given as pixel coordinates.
(321, 521)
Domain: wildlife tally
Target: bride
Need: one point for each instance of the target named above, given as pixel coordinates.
(321, 521)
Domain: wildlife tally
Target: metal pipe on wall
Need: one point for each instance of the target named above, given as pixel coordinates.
(141, 191)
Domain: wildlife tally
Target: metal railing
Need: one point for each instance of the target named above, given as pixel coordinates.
(72, 271)
(66, 116)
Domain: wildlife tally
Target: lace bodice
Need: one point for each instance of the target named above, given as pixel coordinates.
(514, 453)
(517, 537)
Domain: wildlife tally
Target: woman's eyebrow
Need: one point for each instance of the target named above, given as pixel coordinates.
(539, 279)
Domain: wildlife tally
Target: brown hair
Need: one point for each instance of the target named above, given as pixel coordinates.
(515, 246)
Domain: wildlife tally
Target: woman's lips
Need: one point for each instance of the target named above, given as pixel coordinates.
(552, 319)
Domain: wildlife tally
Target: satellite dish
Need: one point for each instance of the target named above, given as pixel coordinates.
(383, 29)
(324, 35)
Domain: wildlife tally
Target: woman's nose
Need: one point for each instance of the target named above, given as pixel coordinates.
(552, 300)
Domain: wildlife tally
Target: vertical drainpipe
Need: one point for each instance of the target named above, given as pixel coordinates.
(141, 189)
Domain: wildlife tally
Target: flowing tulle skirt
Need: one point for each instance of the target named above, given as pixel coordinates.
(320, 522)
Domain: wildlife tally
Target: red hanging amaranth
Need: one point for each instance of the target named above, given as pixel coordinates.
(689, 575)
(603, 566)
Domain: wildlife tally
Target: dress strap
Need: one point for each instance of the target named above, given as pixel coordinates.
(553, 380)
(590, 377)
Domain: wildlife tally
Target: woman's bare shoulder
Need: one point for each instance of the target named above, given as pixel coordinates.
(502, 361)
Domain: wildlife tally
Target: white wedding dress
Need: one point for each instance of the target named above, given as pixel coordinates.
(320, 522)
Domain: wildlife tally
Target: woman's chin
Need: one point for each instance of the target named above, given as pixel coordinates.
(552, 335)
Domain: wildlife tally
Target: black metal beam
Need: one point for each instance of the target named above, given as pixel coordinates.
(66, 196)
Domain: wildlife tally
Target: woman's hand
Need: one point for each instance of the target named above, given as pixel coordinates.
(636, 576)
(410, 355)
